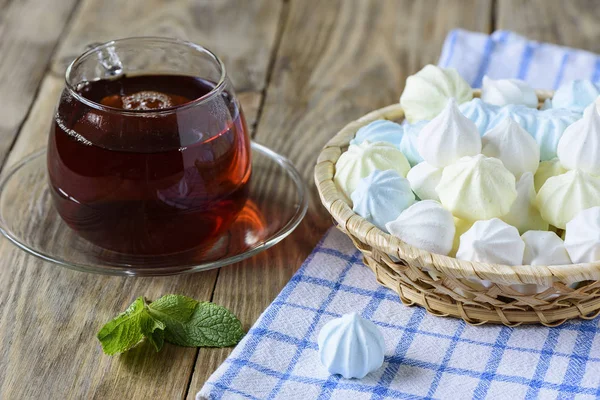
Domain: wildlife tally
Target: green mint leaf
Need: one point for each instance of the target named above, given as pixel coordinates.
(175, 311)
(129, 328)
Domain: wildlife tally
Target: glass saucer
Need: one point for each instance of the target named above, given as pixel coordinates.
(276, 205)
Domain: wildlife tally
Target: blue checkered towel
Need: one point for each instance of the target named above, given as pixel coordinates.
(426, 356)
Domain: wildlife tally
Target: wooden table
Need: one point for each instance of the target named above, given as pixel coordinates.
(303, 68)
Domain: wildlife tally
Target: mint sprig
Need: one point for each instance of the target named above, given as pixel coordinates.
(173, 318)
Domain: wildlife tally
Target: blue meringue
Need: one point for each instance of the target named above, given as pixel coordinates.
(408, 145)
(380, 131)
(576, 95)
(351, 346)
(480, 113)
(381, 197)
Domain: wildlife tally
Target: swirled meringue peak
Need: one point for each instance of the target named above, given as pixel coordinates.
(492, 241)
(426, 225)
(582, 237)
(512, 145)
(362, 159)
(579, 146)
(351, 346)
(563, 196)
(549, 128)
(381, 197)
(476, 188)
(546, 170)
(427, 92)
(576, 95)
(448, 137)
(502, 92)
(523, 213)
(380, 131)
(480, 113)
(544, 248)
(408, 145)
(423, 180)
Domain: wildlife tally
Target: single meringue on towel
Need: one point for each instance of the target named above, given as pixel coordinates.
(546, 170)
(502, 92)
(512, 145)
(427, 92)
(380, 131)
(544, 248)
(362, 159)
(423, 180)
(381, 197)
(448, 137)
(480, 113)
(523, 213)
(576, 95)
(563, 196)
(579, 146)
(351, 346)
(492, 241)
(408, 145)
(582, 237)
(478, 187)
(426, 225)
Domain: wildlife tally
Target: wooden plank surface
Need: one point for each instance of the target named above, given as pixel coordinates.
(48, 315)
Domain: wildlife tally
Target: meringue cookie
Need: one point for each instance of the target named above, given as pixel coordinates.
(582, 237)
(426, 225)
(360, 160)
(563, 196)
(423, 180)
(579, 146)
(544, 248)
(546, 170)
(408, 145)
(380, 131)
(492, 241)
(512, 145)
(524, 116)
(480, 113)
(523, 213)
(508, 91)
(351, 346)
(546, 105)
(461, 226)
(381, 197)
(427, 92)
(448, 137)
(476, 188)
(548, 129)
(576, 95)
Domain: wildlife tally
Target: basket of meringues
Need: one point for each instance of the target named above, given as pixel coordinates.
(477, 204)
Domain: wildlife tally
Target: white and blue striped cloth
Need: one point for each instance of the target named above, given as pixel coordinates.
(427, 357)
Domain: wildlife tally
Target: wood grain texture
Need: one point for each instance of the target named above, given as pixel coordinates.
(337, 60)
(571, 23)
(48, 315)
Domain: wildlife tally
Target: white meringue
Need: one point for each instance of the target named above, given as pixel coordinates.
(380, 131)
(448, 137)
(477, 188)
(360, 160)
(579, 146)
(423, 180)
(576, 95)
(381, 197)
(523, 213)
(582, 237)
(351, 346)
(426, 225)
(563, 196)
(546, 170)
(512, 145)
(461, 226)
(502, 92)
(408, 145)
(492, 241)
(544, 248)
(480, 113)
(427, 92)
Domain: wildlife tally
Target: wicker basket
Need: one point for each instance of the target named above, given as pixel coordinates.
(448, 294)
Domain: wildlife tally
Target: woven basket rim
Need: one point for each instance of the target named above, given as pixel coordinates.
(335, 202)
